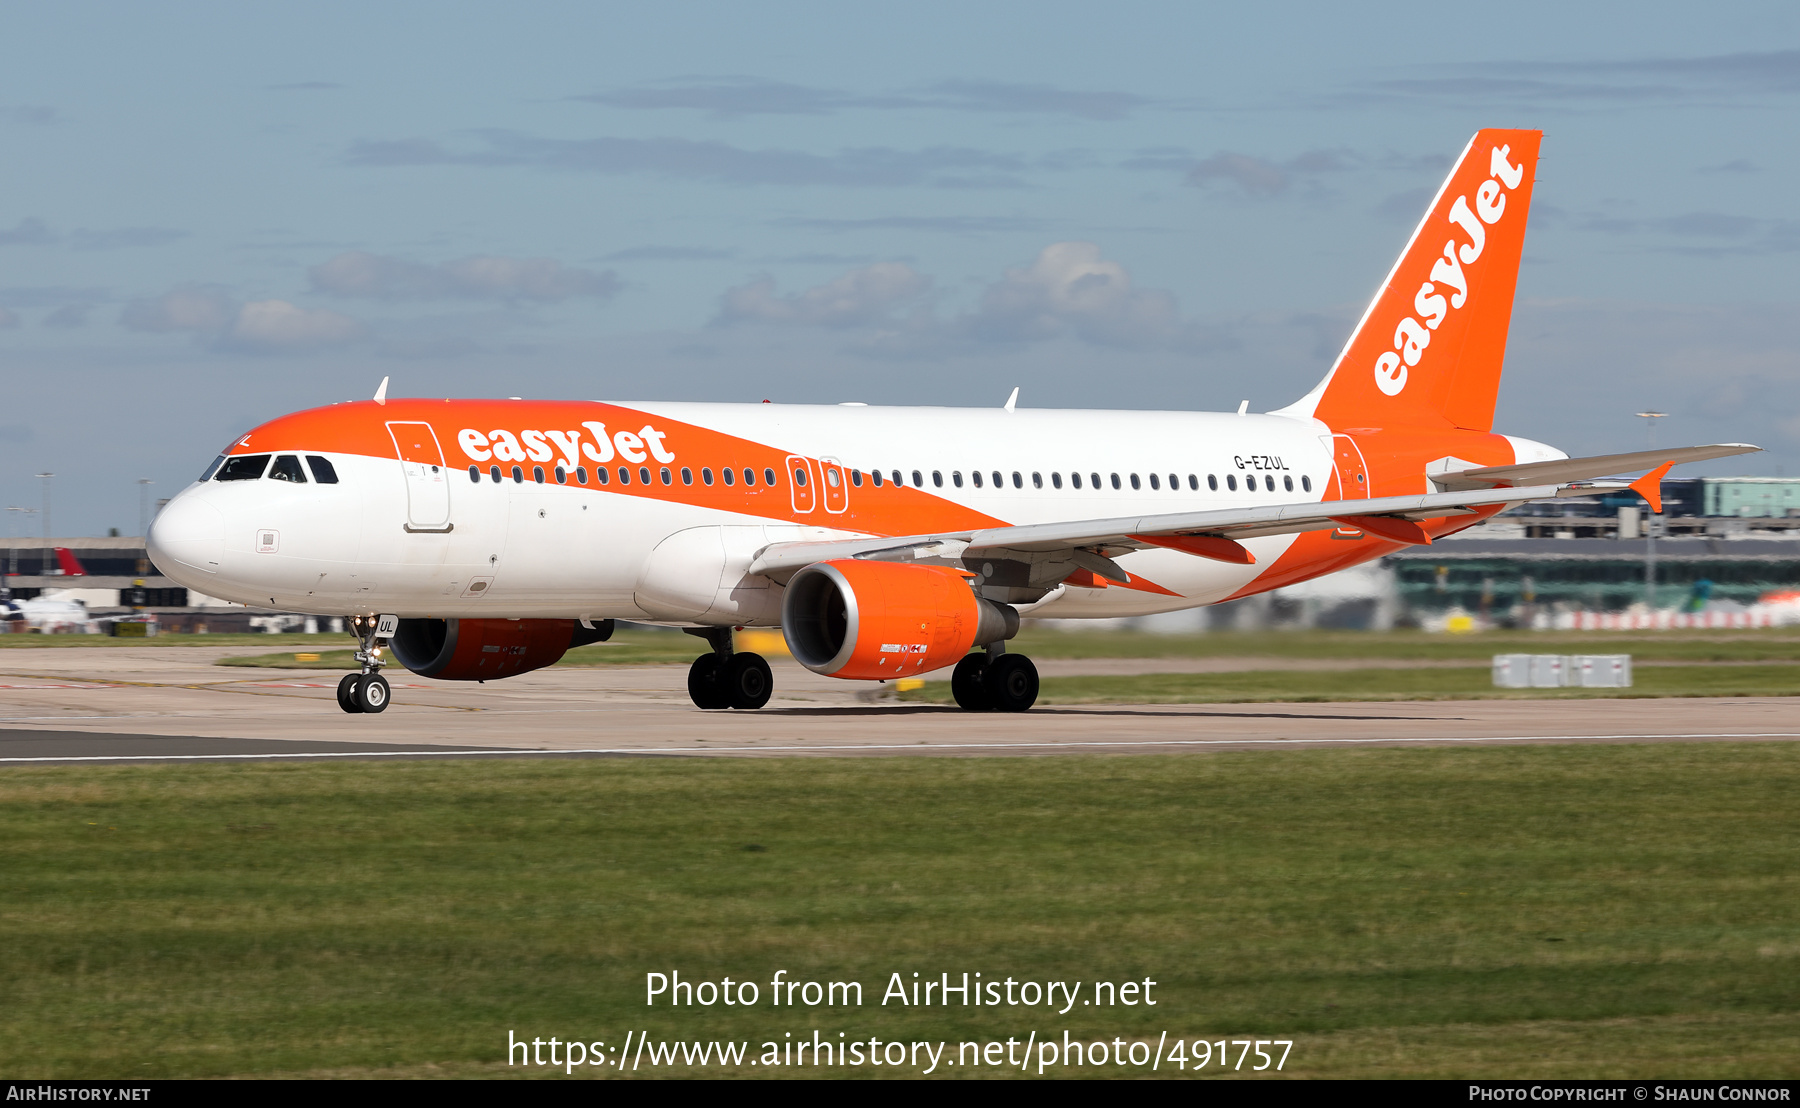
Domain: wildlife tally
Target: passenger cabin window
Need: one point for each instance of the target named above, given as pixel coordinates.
(956, 478)
(769, 477)
(687, 476)
(1306, 482)
(856, 478)
(1075, 480)
(581, 475)
(1018, 481)
(494, 474)
(1095, 477)
(937, 478)
(975, 476)
(875, 476)
(624, 475)
(799, 477)
(1231, 482)
(537, 474)
(562, 476)
(287, 468)
(1193, 482)
(1212, 482)
(706, 474)
(1135, 483)
(1155, 483)
(644, 475)
(1287, 483)
(1115, 481)
(601, 475)
(518, 476)
(1056, 480)
(918, 479)
(475, 474)
(244, 467)
(1037, 480)
(999, 482)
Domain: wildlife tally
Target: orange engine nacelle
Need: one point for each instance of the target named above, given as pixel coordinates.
(486, 649)
(871, 621)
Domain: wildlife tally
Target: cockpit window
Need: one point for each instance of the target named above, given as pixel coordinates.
(287, 468)
(212, 469)
(244, 467)
(323, 472)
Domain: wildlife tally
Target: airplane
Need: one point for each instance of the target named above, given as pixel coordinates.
(478, 539)
(47, 613)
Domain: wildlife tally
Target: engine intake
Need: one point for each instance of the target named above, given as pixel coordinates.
(487, 649)
(873, 621)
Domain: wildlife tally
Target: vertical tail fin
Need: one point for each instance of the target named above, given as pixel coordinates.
(1429, 349)
(71, 566)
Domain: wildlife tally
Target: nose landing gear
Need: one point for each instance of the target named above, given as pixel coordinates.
(367, 691)
(726, 679)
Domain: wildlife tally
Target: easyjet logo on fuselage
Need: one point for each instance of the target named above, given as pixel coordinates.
(596, 445)
(1412, 337)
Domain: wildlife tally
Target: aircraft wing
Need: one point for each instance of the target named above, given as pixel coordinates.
(1583, 469)
(1209, 534)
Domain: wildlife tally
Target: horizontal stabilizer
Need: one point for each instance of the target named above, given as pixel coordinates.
(1583, 469)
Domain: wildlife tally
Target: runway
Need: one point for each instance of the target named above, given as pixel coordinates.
(132, 704)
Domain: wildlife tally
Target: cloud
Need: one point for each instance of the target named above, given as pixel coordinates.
(1264, 178)
(862, 297)
(1736, 165)
(1597, 83)
(276, 325)
(940, 166)
(189, 308)
(123, 238)
(69, 316)
(1406, 206)
(1068, 290)
(261, 326)
(8, 320)
(29, 232)
(734, 97)
(668, 254)
(948, 224)
(1706, 234)
(33, 231)
(510, 280)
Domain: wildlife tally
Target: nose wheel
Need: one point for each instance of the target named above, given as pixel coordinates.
(363, 692)
(367, 691)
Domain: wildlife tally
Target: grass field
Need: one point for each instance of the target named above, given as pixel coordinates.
(1457, 683)
(1521, 911)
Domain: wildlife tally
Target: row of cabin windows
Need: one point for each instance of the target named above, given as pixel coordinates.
(254, 467)
(602, 476)
(998, 480)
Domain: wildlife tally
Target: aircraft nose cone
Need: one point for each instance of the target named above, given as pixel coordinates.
(188, 535)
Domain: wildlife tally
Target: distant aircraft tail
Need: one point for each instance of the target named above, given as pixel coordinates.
(70, 565)
(1428, 351)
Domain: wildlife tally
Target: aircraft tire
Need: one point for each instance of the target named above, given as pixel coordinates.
(347, 692)
(1011, 683)
(706, 687)
(372, 693)
(965, 683)
(748, 682)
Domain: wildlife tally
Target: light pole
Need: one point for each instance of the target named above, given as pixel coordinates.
(12, 567)
(46, 520)
(144, 484)
(1651, 521)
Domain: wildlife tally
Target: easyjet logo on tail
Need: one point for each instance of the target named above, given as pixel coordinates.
(1412, 337)
(597, 446)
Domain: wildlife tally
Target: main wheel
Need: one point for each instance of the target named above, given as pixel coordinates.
(347, 692)
(706, 685)
(372, 693)
(1011, 683)
(965, 683)
(748, 681)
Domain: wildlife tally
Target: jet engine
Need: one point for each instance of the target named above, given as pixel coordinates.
(486, 649)
(873, 621)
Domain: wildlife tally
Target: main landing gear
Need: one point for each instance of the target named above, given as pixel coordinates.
(726, 679)
(366, 691)
(994, 681)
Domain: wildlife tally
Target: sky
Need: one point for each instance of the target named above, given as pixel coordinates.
(214, 214)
